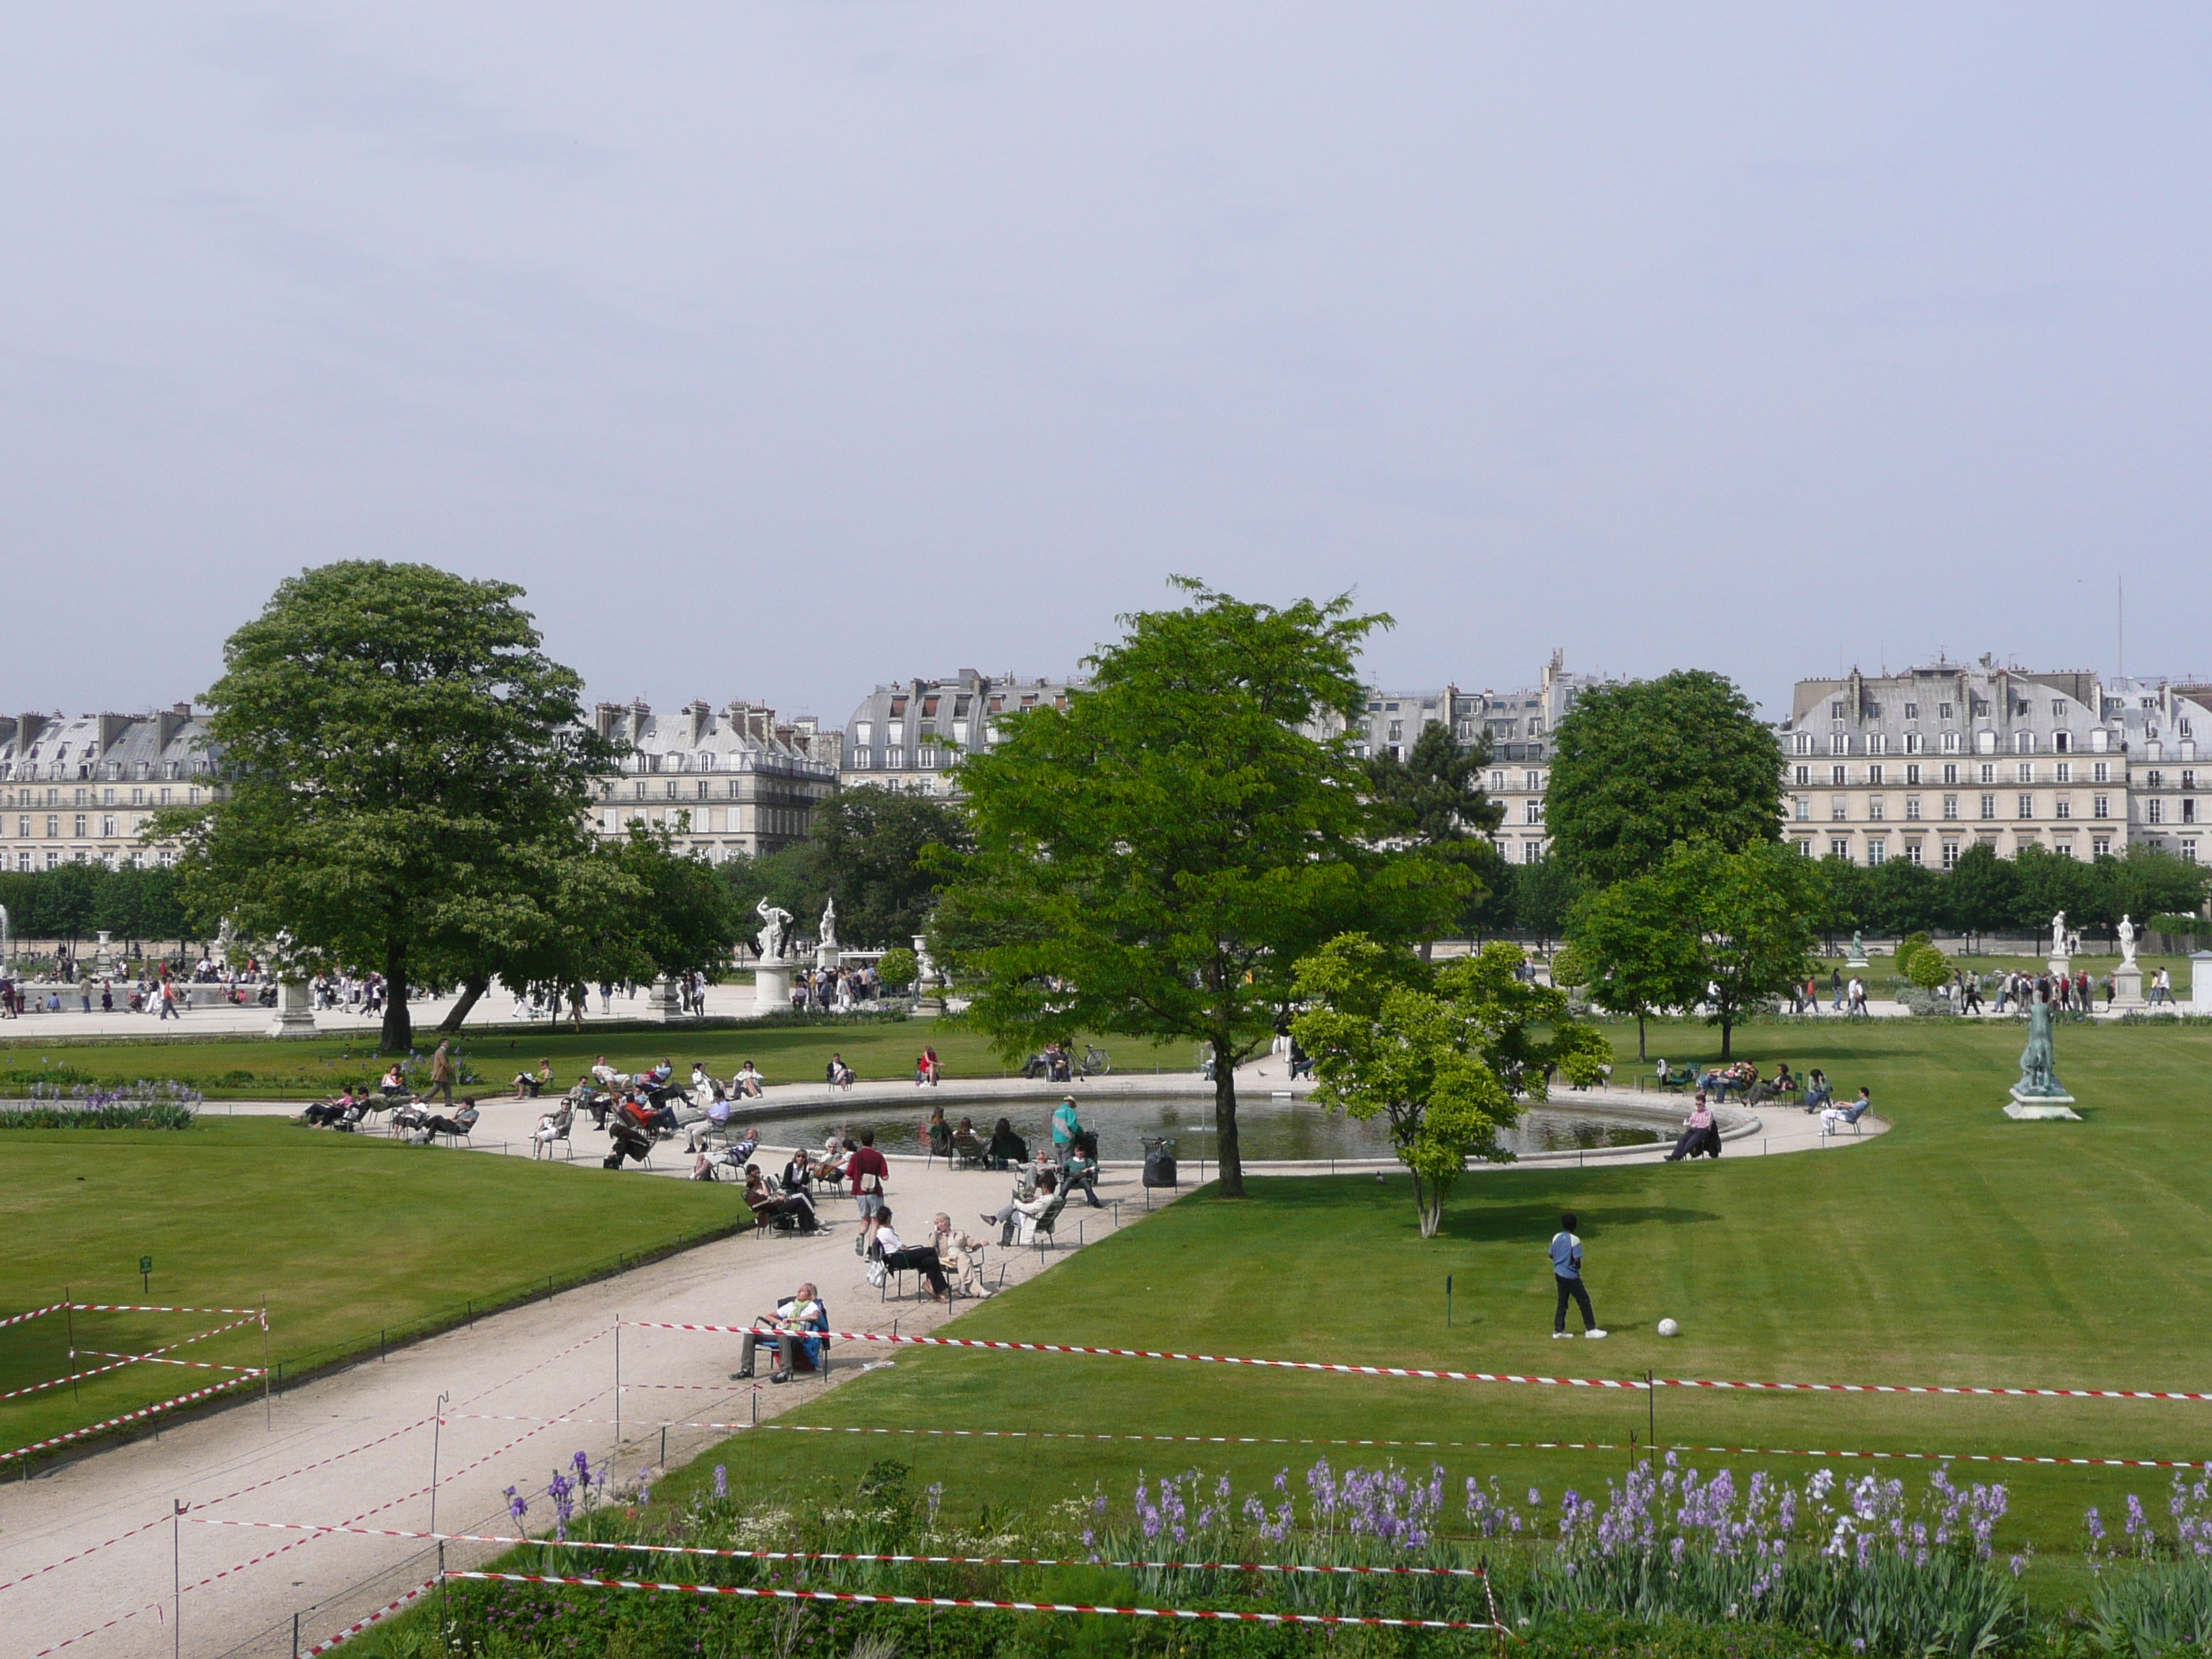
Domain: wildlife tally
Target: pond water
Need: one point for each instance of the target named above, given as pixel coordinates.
(1280, 1128)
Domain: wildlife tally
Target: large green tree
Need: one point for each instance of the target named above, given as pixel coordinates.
(1155, 859)
(406, 772)
(1731, 930)
(1638, 767)
(1444, 1056)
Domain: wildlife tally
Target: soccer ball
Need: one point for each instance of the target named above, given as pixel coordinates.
(1668, 1328)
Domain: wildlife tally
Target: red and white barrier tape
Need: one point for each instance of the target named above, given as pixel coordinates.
(35, 1313)
(360, 1625)
(127, 1417)
(770, 1593)
(157, 1608)
(123, 1359)
(134, 1307)
(1636, 1384)
(1289, 1567)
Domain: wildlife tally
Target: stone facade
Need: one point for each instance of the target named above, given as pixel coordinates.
(79, 788)
(727, 781)
(906, 735)
(1924, 764)
(1519, 725)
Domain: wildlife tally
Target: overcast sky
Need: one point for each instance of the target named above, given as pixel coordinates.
(779, 349)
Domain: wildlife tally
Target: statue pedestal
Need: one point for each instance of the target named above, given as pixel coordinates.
(930, 1003)
(2026, 1107)
(663, 1003)
(2062, 967)
(2127, 987)
(826, 957)
(1857, 962)
(295, 1018)
(771, 987)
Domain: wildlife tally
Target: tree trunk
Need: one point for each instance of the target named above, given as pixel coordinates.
(1728, 1029)
(1224, 1117)
(470, 992)
(1640, 1055)
(398, 1037)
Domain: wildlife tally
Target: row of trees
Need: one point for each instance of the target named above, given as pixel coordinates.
(74, 901)
(1985, 894)
(863, 848)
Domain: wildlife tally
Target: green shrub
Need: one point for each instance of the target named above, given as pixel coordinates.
(1928, 968)
(900, 967)
(1569, 971)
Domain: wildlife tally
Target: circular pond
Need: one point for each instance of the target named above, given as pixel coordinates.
(1276, 1127)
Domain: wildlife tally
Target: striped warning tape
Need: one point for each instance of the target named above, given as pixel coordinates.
(1638, 1384)
(1289, 1567)
(35, 1313)
(360, 1625)
(1222, 1615)
(137, 1307)
(1381, 1444)
(127, 1417)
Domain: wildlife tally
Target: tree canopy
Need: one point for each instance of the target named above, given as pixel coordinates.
(1638, 767)
(1730, 930)
(1443, 1056)
(1156, 858)
(406, 773)
(863, 848)
(1432, 802)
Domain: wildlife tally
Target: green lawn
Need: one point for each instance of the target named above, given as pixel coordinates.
(342, 1234)
(263, 1068)
(1960, 1248)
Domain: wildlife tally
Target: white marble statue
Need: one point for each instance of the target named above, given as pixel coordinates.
(2127, 943)
(771, 936)
(2058, 935)
(829, 934)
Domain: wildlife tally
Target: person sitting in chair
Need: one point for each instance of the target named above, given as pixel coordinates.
(1834, 1117)
(1008, 1150)
(1698, 1133)
(838, 1074)
(798, 1173)
(768, 1207)
(1301, 1062)
(1817, 1093)
(1032, 1207)
(607, 1076)
(795, 1327)
(1082, 1168)
(553, 1126)
(716, 1119)
(901, 1257)
(938, 1133)
(746, 1084)
(394, 1087)
(528, 1085)
(332, 1111)
(961, 1256)
(460, 1124)
(966, 1145)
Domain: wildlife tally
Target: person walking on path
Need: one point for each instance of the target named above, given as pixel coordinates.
(1567, 1274)
(1066, 1126)
(441, 1072)
(1836, 987)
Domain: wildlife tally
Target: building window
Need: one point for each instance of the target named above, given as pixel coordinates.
(1950, 806)
(1873, 774)
(53, 859)
(1837, 776)
(165, 798)
(1989, 773)
(895, 758)
(1804, 776)
(1912, 852)
(1532, 852)
(2023, 743)
(1840, 846)
(1532, 780)
(2154, 811)
(2027, 771)
(1913, 807)
(2065, 772)
(1804, 847)
(1989, 806)
(1950, 742)
(860, 760)
(2064, 807)
(1950, 774)
(2154, 780)
(2100, 806)
(77, 826)
(1397, 729)
(2100, 847)
(1839, 807)
(1875, 808)
(1804, 743)
(1498, 783)
(1839, 743)
(1877, 745)
(108, 829)
(2189, 810)
(2063, 742)
(2100, 772)
(1950, 853)
(1874, 851)
(1532, 811)
(1912, 711)
(1912, 743)
(1804, 809)
(669, 792)
(2026, 807)
(1912, 776)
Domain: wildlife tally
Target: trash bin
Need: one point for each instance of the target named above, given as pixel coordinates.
(1159, 1162)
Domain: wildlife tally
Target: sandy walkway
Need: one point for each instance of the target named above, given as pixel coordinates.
(86, 1548)
(356, 1448)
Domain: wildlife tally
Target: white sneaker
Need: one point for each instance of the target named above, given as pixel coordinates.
(1594, 1336)
(1556, 1335)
